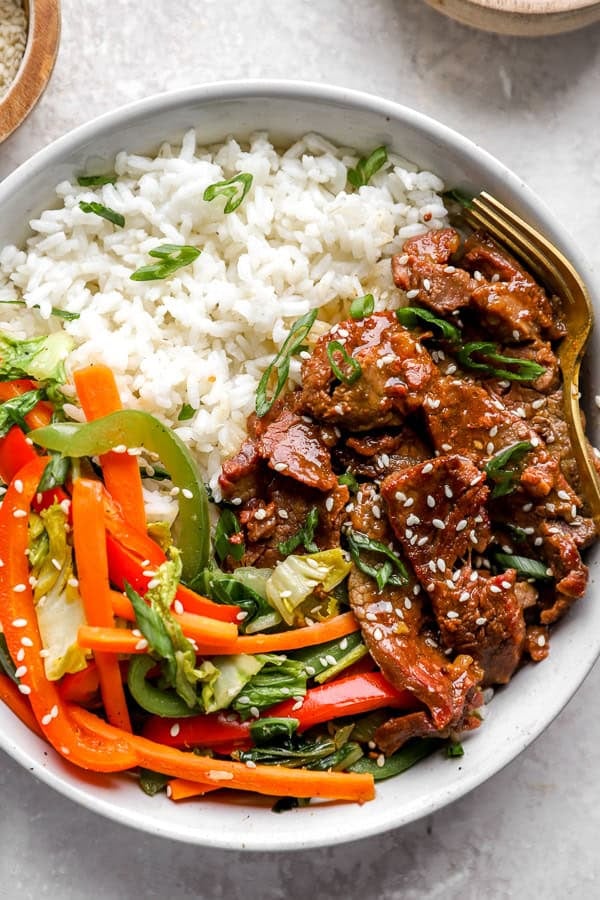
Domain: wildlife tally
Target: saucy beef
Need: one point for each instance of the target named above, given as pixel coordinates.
(424, 435)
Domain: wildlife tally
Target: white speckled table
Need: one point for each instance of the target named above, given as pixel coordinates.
(532, 830)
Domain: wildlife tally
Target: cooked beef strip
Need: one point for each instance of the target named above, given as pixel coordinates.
(423, 267)
(390, 736)
(377, 454)
(396, 370)
(398, 632)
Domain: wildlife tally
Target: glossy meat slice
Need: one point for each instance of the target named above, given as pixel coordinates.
(438, 512)
(511, 304)
(376, 454)
(390, 736)
(480, 614)
(570, 573)
(395, 370)
(423, 267)
(398, 630)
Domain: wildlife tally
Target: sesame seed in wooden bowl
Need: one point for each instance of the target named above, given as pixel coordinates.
(19, 94)
(523, 18)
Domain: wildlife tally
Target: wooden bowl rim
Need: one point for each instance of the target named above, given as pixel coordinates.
(43, 34)
(537, 8)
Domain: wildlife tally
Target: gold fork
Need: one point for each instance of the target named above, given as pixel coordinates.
(557, 274)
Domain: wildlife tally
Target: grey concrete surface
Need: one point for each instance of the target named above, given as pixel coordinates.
(531, 831)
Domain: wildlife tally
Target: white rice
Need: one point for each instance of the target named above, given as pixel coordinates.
(13, 37)
(204, 336)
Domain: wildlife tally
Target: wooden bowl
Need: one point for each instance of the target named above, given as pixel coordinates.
(43, 32)
(523, 18)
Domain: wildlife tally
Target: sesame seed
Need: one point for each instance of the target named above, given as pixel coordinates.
(437, 523)
(376, 511)
(527, 507)
(218, 775)
(260, 514)
(73, 582)
(451, 369)
(481, 620)
(154, 582)
(175, 491)
(516, 334)
(21, 671)
(446, 448)
(409, 502)
(371, 616)
(378, 634)
(433, 403)
(413, 520)
(473, 536)
(461, 525)
(408, 533)
(422, 541)
(254, 712)
(20, 513)
(541, 640)
(26, 641)
(573, 511)
(18, 485)
(410, 295)
(178, 607)
(283, 513)
(427, 468)
(56, 564)
(535, 442)
(417, 590)
(464, 596)
(142, 644)
(538, 542)
(549, 572)
(506, 585)
(400, 496)
(450, 270)
(448, 491)
(452, 615)
(237, 501)
(19, 588)
(24, 688)
(441, 565)
(120, 448)
(407, 603)
(430, 501)
(185, 492)
(494, 589)
(46, 719)
(537, 404)
(344, 644)
(489, 448)
(473, 576)
(21, 654)
(431, 565)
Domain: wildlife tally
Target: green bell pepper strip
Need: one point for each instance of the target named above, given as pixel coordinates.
(160, 703)
(135, 428)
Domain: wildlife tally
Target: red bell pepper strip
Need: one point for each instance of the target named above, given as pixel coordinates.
(24, 643)
(98, 394)
(349, 696)
(15, 451)
(94, 587)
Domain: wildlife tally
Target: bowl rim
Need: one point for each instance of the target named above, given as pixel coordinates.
(357, 100)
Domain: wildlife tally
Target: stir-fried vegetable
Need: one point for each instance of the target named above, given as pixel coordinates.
(280, 366)
(105, 212)
(172, 257)
(367, 166)
(500, 467)
(295, 578)
(234, 189)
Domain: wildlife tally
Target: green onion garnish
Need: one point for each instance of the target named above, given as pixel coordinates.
(367, 166)
(172, 257)
(186, 412)
(105, 212)
(454, 749)
(530, 568)
(96, 180)
(459, 197)
(384, 574)
(304, 536)
(362, 306)
(54, 311)
(281, 363)
(524, 369)
(235, 189)
(352, 370)
(350, 481)
(414, 316)
(499, 467)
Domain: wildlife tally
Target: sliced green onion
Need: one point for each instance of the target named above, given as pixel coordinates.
(105, 212)
(383, 574)
(350, 481)
(227, 526)
(152, 783)
(281, 363)
(454, 750)
(413, 316)
(304, 536)
(499, 468)
(96, 180)
(172, 256)
(367, 166)
(6, 663)
(186, 412)
(352, 370)
(530, 568)
(362, 306)
(235, 189)
(523, 369)
(459, 197)
(55, 473)
(54, 310)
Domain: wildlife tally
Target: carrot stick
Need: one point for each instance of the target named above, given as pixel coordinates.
(278, 781)
(330, 630)
(110, 640)
(92, 569)
(80, 687)
(9, 693)
(99, 396)
(41, 414)
(181, 789)
(120, 640)
(199, 628)
(24, 643)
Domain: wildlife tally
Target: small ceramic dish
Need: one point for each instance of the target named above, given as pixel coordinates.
(523, 18)
(43, 34)
(537, 693)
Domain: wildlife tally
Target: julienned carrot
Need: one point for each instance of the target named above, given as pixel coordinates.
(319, 633)
(181, 789)
(199, 628)
(98, 394)
(24, 642)
(9, 694)
(94, 587)
(277, 781)
(120, 640)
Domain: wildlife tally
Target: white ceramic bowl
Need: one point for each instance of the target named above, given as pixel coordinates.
(519, 713)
